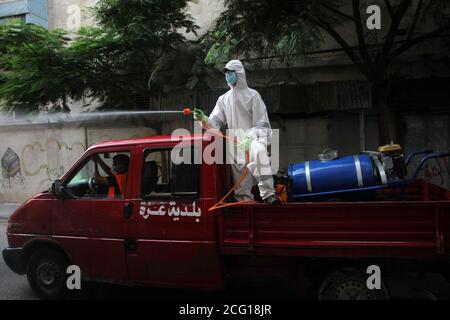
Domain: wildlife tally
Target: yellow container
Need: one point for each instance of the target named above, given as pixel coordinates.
(390, 148)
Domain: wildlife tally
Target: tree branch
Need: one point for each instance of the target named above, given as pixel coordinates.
(348, 50)
(163, 51)
(415, 19)
(338, 12)
(359, 31)
(131, 74)
(427, 8)
(393, 28)
(147, 58)
(406, 46)
(389, 7)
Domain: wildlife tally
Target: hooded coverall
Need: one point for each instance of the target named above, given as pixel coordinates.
(243, 108)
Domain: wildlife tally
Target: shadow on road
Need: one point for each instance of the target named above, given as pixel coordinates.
(100, 291)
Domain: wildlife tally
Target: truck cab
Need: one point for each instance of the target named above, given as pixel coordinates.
(156, 232)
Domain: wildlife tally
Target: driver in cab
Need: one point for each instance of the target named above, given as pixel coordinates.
(117, 177)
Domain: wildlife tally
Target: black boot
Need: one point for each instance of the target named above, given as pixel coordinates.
(273, 200)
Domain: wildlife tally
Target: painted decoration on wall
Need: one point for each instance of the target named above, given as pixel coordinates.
(47, 161)
(11, 170)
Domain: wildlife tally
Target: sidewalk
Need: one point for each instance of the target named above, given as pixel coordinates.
(6, 209)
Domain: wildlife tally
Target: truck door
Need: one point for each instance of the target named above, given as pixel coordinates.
(172, 239)
(89, 221)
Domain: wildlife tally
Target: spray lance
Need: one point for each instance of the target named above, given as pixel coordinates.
(222, 204)
(187, 112)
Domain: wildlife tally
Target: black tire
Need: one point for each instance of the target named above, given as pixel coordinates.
(47, 274)
(350, 284)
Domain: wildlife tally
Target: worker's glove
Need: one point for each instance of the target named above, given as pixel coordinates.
(199, 115)
(245, 144)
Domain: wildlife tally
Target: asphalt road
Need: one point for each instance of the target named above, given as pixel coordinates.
(15, 287)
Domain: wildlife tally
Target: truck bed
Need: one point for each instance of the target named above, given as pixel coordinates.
(417, 226)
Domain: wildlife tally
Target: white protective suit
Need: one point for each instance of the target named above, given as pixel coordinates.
(243, 108)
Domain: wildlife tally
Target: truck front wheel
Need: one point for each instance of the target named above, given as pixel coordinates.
(46, 273)
(350, 284)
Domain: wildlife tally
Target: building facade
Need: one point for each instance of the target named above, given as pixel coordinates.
(30, 11)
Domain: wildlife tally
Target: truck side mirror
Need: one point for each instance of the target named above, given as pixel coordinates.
(58, 189)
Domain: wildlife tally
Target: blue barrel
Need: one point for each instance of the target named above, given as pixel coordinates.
(313, 177)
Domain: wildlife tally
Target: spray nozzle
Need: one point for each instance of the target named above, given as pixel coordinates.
(187, 112)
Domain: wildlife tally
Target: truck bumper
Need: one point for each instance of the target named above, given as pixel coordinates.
(14, 259)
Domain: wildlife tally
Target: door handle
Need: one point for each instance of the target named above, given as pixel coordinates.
(127, 210)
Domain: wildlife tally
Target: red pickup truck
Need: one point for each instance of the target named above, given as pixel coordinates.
(159, 232)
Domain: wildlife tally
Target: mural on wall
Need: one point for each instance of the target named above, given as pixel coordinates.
(49, 159)
(437, 172)
(11, 170)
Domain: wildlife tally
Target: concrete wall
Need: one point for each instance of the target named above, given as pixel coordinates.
(429, 132)
(35, 156)
(301, 139)
(32, 157)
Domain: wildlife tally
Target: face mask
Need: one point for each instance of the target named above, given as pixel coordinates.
(231, 77)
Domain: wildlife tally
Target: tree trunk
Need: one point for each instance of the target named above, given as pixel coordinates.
(65, 108)
(386, 117)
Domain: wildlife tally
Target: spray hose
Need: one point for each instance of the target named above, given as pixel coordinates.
(221, 203)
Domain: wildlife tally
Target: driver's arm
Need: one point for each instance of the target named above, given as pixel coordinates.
(101, 180)
(106, 181)
(99, 161)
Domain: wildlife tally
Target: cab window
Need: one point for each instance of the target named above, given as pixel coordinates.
(163, 177)
(103, 175)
